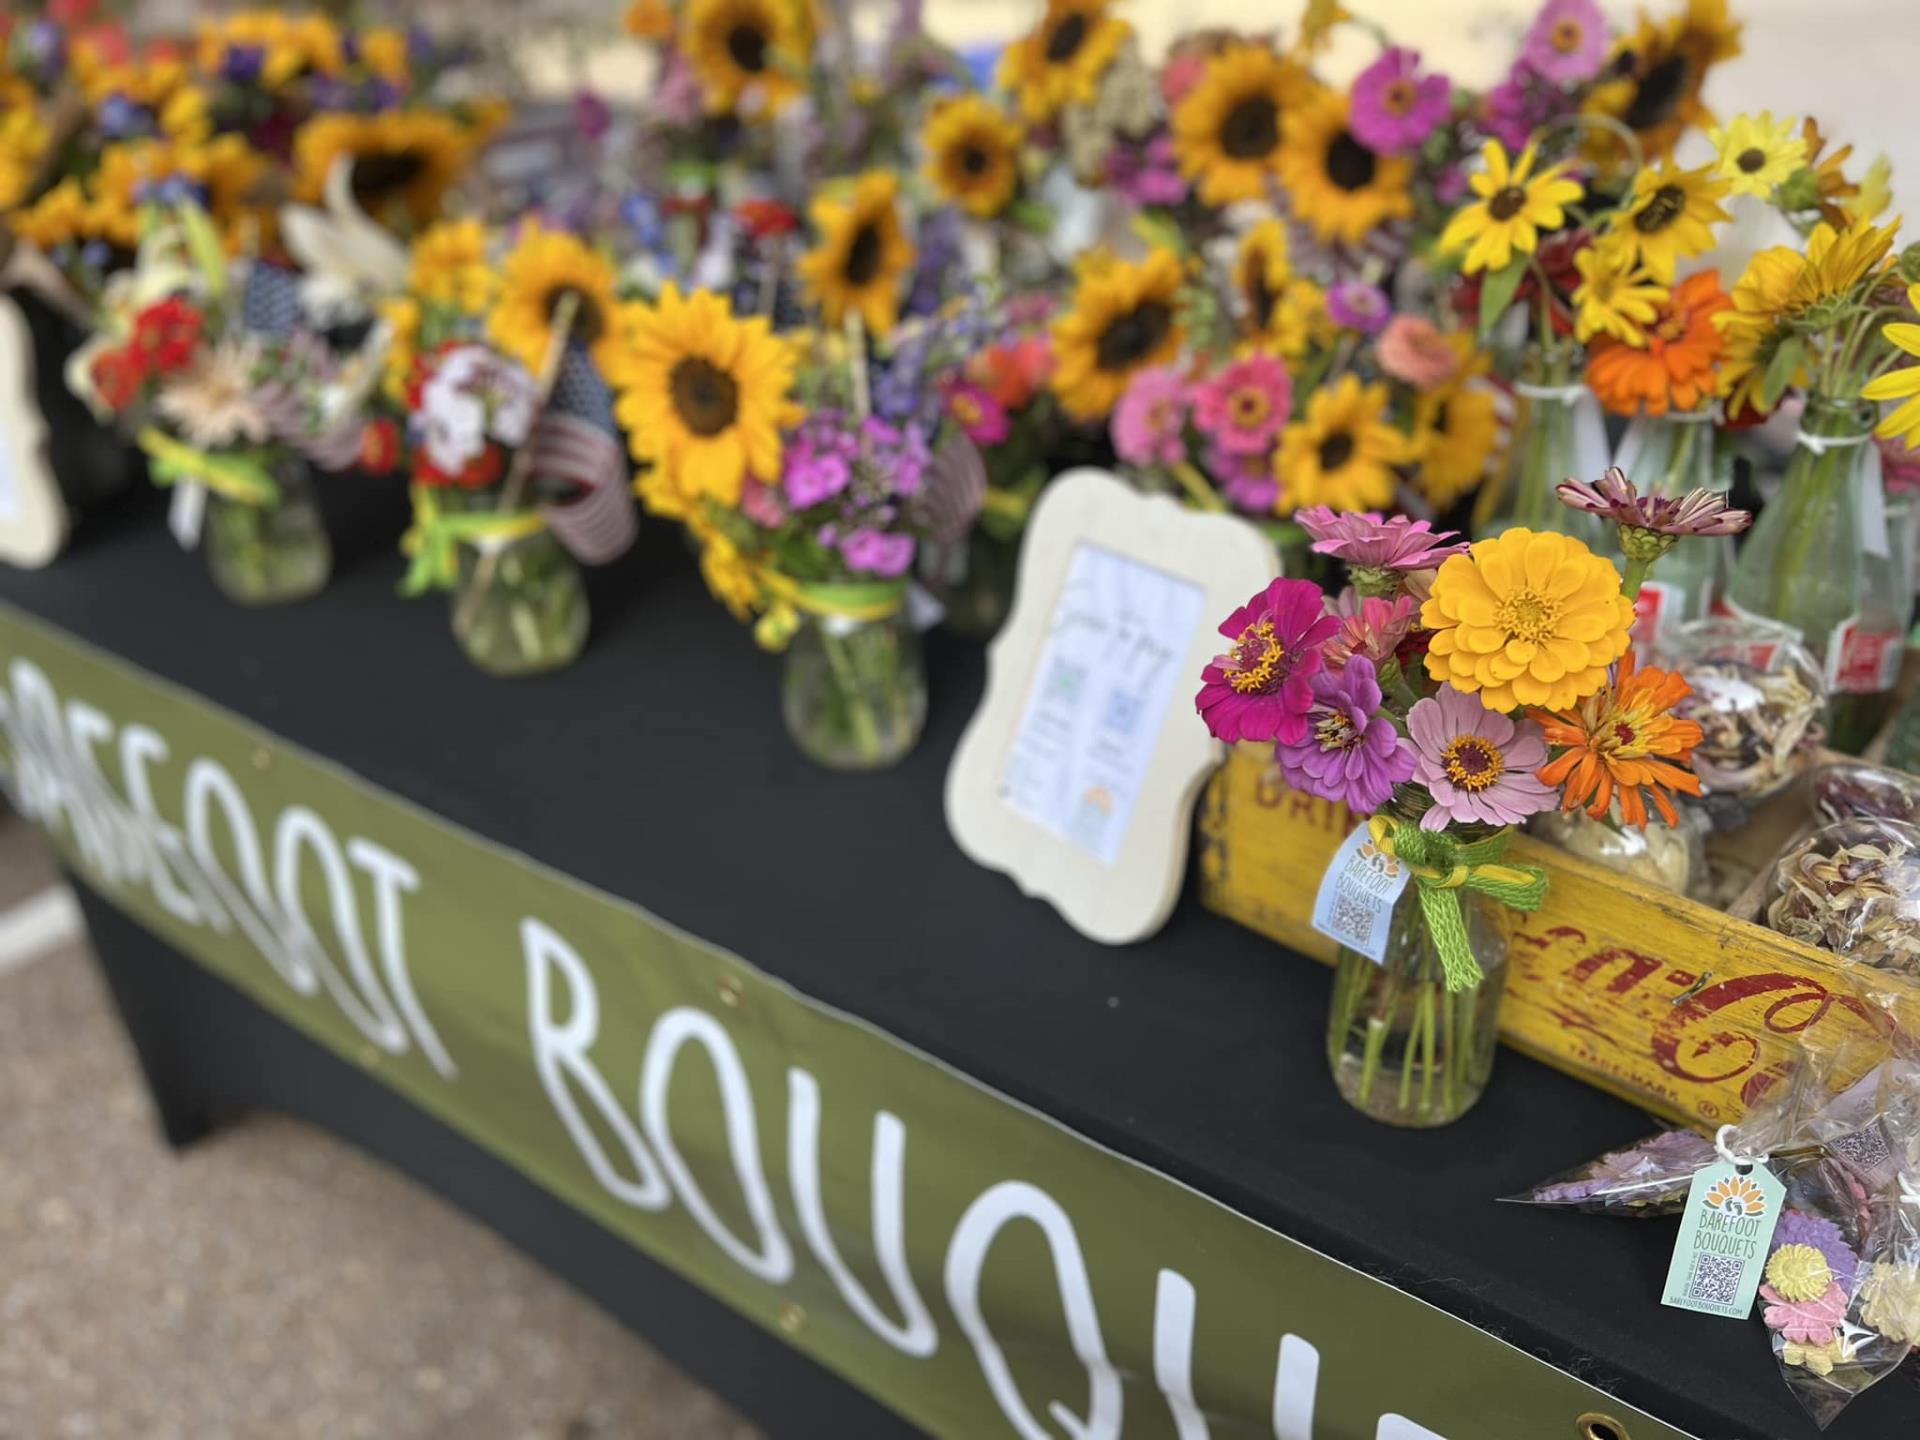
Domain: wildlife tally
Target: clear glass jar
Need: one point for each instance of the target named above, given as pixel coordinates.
(269, 554)
(1673, 455)
(854, 692)
(974, 582)
(1553, 412)
(1405, 1050)
(521, 606)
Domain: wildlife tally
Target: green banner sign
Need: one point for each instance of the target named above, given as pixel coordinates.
(970, 1263)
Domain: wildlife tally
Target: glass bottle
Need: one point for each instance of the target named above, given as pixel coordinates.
(521, 605)
(274, 553)
(1558, 434)
(1672, 455)
(854, 692)
(1404, 1049)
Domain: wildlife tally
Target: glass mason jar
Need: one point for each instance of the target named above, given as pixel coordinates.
(854, 692)
(521, 605)
(1806, 565)
(1404, 1049)
(274, 553)
(1558, 434)
(973, 579)
(1672, 455)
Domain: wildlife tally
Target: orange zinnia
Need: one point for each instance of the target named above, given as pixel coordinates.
(1626, 739)
(1676, 368)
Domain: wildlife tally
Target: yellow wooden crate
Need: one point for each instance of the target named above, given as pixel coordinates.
(1687, 1011)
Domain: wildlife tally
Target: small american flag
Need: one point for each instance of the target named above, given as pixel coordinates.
(272, 304)
(577, 445)
(954, 491)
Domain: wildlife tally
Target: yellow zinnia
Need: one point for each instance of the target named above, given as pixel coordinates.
(1342, 451)
(1337, 185)
(702, 394)
(1526, 618)
(545, 268)
(861, 254)
(1669, 215)
(1903, 384)
(973, 154)
(746, 48)
(1226, 129)
(1515, 205)
(1757, 153)
(1060, 61)
(1612, 298)
(1125, 317)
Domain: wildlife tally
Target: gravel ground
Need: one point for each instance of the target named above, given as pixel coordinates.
(269, 1282)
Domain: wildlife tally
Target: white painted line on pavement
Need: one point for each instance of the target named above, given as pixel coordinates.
(34, 927)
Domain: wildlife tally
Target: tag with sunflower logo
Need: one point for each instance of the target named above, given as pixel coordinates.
(1725, 1233)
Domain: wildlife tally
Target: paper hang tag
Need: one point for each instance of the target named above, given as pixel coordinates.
(185, 512)
(1357, 895)
(1725, 1233)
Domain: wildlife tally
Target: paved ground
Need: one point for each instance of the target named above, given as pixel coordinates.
(270, 1282)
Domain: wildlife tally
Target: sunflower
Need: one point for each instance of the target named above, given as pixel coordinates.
(24, 137)
(1337, 185)
(1612, 298)
(703, 395)
(862, 252)
(1668, 216)
(1514, 207)
(1342, 451)
(1526, 618)
(1903, 422)
(1757, 153)
(738, 47)
(1226, 128)
(1652, 83)
(1125, 318)
(404, 161)
(1456, 429)
(402, 316)
(1624, 743)
(1060, 61)
(1826, 186)
(1261, 270)
(973, 154)
(450, 267)
(545, 268)
(1673, 365)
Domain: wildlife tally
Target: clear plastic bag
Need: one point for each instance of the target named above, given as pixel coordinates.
(1758, 696)
(1647, 1178)
(1853, 888)
(1855, 790)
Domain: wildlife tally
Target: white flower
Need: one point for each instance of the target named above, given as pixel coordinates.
(212, 402)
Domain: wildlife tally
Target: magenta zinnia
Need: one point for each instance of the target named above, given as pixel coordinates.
(1477, 764)
(1350, 753)
(1261, 688)
(1567, 42)
(1395, 108)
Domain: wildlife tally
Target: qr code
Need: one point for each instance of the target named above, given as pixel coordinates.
(1715, 1279)
(1351, 919)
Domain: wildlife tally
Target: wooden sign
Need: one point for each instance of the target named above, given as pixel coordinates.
(1078, 774)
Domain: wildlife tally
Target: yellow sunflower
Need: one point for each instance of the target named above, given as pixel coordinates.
(1652, 83)
(1756, 153)
(702, 394)
(1342, 452)
(1514, 207)
(545, 268)
(450, 267)
(1125, 317)
(1612, 297)
(1261, 270)
(404, 161)
(1668, 216)
(1337, 185)
(1060, 61)
(1903, 422)
(402, 315)
(973, 154)
(1299, 320)
(1455, 432)
(861, 253)
(742, 48)
(1226, 129)
(24, 137)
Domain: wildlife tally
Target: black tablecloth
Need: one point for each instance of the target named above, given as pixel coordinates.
(657, 769)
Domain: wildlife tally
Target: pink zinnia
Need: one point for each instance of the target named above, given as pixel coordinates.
(1394, 107)
(1261, 688)
(1246, 481)
(1477, 764)
(1351, 753)
(1414, 349)
(1567, 42)
(1356, 305)
(1519, 105)
(979, 415)
(1368, 542)
(1243, 408)
(874, 552)
(1150, 422)
(1371, 628)
(1613, 497)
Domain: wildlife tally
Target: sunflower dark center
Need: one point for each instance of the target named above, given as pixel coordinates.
(974, 159)
(863, 255)
(1067, 38)
(747, 45)
(1134, 336)
(1336, 450)
(1752, 159)
(1657, 93)
(1349, 163)
(1507, 203)
(705, 396)
(1663, 207)
(588, 323)
(379, 173)
(1251, 129)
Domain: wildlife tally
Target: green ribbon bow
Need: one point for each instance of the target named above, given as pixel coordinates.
(1443, 865)
(240, 478)
(434, 539)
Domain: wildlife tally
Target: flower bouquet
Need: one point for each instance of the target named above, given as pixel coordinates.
(1449, 695)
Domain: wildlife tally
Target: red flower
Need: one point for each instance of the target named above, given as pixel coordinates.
(483, 470)
(1554, 259)
(166, 335)
(765, 219)
(118, 377)
(380, 446)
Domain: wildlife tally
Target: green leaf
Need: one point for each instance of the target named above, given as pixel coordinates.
(1497, 289)
(204, 246)
(1786, 363)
